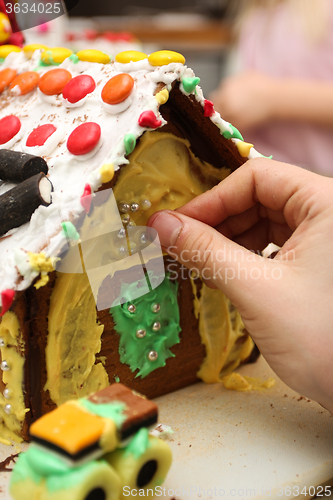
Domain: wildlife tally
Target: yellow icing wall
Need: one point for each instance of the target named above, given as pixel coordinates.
(11, 352)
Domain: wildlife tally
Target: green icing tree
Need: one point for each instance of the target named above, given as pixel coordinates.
(139, 353)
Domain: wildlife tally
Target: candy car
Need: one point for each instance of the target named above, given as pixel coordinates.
(94, 448)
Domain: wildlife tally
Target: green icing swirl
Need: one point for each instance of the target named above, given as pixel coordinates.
(74, 58)
(134, 351)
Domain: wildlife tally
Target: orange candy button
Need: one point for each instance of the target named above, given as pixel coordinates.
(24, 83)
(54, 81)
(117, 89)
(6, 77)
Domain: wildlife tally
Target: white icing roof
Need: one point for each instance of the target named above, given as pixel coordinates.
(68, 173)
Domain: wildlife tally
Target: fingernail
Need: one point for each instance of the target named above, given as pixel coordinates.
(168, 227)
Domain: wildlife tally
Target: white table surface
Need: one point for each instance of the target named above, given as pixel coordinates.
(244, 445)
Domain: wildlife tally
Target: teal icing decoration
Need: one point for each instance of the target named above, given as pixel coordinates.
(190, 84)
(130, 143)
(235, 134)
(268, 157)
(117, 379)
(74, 58)
(70, 230)
(134, 351)
(114, 411)
(139, 444)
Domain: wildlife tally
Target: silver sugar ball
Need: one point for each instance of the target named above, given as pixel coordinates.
(8, 409)
(5, 366)
(153, 355)
(131, 308)
(145, 204)
(141, 333)
(135, 207)
(7, 393)
(123, 207)
(121, 233)
(155, 308)
(156, 326)
(2, 342)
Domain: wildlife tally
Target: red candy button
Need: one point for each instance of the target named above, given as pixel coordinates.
(208, 108)
(84, 138)
(39, 136)
(86, 198)
(7, 297)
(117, 89)
(148, 119)
(6, 77)
(26, 82)
(9, 126)
(54, 81)
(78, 88)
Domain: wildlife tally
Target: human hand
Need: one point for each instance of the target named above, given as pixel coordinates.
(285, 302)
(245, 100)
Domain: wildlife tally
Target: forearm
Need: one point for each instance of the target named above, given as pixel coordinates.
(299, 100)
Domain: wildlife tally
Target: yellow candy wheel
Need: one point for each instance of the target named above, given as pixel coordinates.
(144, 472)
(99, 483)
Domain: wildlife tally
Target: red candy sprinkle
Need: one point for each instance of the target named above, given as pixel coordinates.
(208, 108)
(9, 126)
(148, 119)
(39, 136)
(84, 138)
(86, 198)
(78, 88)
(7, 297)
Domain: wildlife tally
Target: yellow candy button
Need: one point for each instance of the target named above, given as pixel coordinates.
(162, 96)
(92, 55)
(244, 148)
(7, 49)
(106, 172)
(163, 57)
(130, 56)
(31, 47)
(55, 55)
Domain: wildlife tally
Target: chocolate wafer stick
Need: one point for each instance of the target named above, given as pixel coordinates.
(17, 167)
(19, 203)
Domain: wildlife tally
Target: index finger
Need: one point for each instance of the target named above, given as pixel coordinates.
(272, 184)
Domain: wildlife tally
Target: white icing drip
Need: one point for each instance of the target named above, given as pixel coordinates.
(115, 109)
(49, 99)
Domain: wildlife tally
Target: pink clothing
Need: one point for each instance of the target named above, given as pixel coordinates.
(275, 44)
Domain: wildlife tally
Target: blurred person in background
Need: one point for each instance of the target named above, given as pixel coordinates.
(282, 97)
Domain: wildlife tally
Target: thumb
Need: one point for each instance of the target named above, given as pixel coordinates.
(242, 275)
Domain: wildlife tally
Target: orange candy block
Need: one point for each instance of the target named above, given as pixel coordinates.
(25, 82)
(69, 428)
(118, 89)
(6, 77)
(54, 81)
